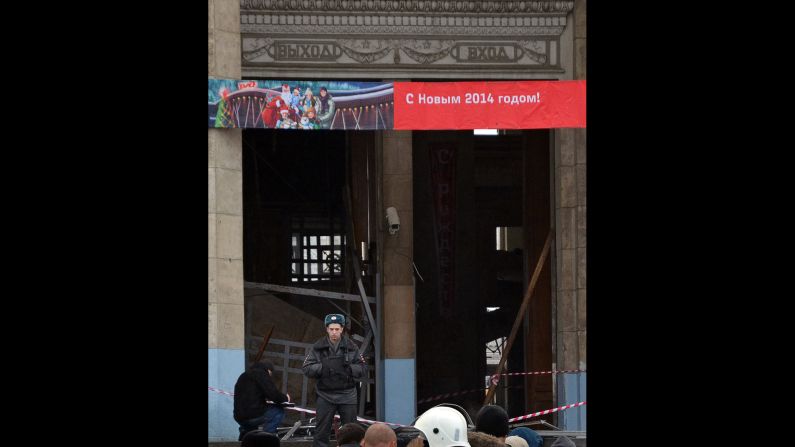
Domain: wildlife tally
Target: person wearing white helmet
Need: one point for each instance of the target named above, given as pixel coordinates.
(443, 426)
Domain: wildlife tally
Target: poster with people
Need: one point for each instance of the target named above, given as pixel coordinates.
(300, 105)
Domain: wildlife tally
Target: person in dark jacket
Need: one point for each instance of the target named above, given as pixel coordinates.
(253, 389)
(335, 362)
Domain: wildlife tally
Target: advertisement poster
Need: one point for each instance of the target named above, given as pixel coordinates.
(304, 105)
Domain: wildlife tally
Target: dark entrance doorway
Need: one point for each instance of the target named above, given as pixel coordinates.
(482, 213)
(297, 232)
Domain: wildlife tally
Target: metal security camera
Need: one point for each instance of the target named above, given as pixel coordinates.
(393, 220)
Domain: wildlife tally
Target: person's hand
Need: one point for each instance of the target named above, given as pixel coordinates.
(288, 397)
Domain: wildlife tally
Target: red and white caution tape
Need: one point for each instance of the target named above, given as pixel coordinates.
(310, 411)
(496, 377)
(307, 410)
(220, 391)
(528, 416)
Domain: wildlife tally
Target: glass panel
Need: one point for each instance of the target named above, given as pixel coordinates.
(313, 253)
(325, 240)
(313, 240)
(337, 240)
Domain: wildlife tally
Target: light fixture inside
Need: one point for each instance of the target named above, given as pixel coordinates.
(486, 131)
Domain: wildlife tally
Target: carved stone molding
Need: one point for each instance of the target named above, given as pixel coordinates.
(260, 23)
(419, 6)
(377, 37)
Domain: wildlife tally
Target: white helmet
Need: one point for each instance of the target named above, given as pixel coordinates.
(443, 427)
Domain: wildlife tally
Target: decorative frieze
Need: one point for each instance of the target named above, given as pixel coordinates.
(377, 51)
(383, 34)
(283, 23)
(419, 6)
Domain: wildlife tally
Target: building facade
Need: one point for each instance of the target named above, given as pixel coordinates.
(525, 184)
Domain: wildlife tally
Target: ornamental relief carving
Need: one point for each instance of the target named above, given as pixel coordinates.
(401, 30)
(421, 33)
(420, 6)
(424, 52)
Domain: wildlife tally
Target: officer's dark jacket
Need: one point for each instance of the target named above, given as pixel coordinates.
(335, 371)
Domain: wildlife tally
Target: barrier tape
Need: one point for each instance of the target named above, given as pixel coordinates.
(309, 410)
(360, 419)
(220, 391)
(528, 416)
(496, 377)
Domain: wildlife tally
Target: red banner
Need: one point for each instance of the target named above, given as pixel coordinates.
(443, 190)
(489, 105)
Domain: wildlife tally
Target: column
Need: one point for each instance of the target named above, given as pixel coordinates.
(398, 279)
(225, 320)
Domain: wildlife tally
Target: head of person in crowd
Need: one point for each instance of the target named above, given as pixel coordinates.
(443, 426)
(335, 323)
(492, 420)
(480, 439)
(379, 435)
(351, 433)
(530, 436)
(259, 438)
(515, 441)
(563, 441)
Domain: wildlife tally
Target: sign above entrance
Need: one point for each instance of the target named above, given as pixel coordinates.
(352, 105)
(489, 105)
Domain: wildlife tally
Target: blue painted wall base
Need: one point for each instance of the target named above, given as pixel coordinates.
(224, 366)
(399, 391)
(573, 385)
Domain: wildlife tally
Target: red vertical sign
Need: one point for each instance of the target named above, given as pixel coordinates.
(443, 190)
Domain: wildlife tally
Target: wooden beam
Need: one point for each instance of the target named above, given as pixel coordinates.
(306, 292)
(264, 343)
(520, 315)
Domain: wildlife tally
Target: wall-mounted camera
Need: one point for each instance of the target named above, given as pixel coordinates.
(392, 220)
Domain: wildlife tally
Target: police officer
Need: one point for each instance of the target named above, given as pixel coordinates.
(335, 362)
